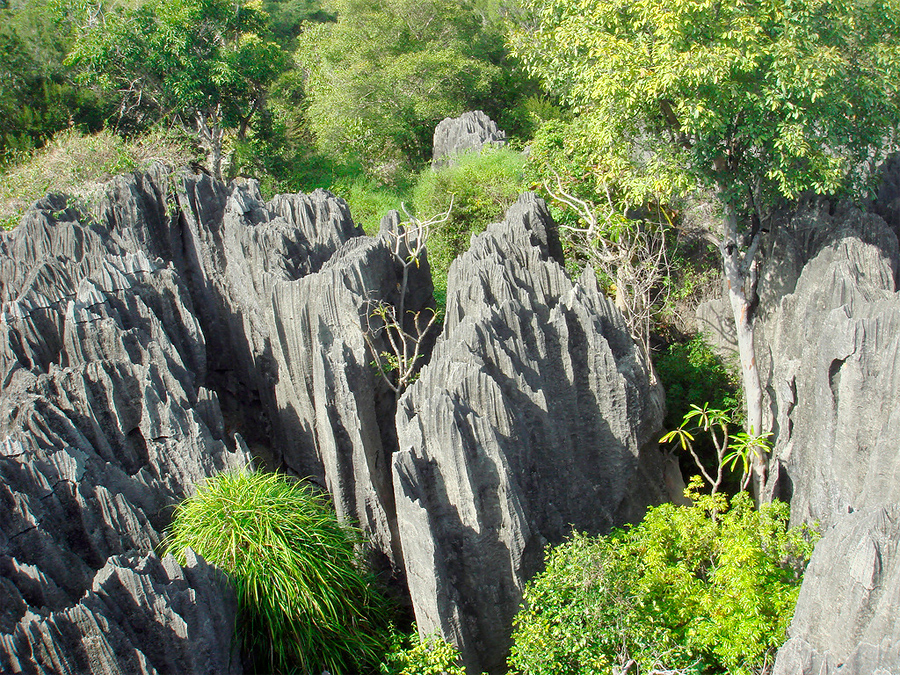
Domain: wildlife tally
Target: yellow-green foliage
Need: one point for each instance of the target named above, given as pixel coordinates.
(708, 588)
(78, 165)
(417, 656)
(306, 602)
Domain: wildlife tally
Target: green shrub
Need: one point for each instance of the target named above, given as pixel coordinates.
(708, 588)
(413, 655)
(306, 602)
(368, 200)
(483, 185)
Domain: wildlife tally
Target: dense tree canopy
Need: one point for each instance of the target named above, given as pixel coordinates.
(780, 94)
(381, 78)
(202, 62)
(36, 98)
(757, 100)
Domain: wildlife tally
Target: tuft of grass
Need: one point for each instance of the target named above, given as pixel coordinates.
(306, 602)
(79, 165)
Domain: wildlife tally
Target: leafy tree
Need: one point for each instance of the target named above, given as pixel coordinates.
(756, 100)
(414, 655)
(707, 588)
(36, 97)
(388, 71)
(201, 62)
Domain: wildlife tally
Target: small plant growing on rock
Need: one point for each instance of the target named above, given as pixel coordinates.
(399, 367)
(306, 602)
(730, 449)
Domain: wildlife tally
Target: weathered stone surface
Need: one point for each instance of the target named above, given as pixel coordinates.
(120, 332)
(887, 202)
(828, 346)
(334, 405)
(238, 247)
(797, 238)
(142, 615)
(534, 416)
(830, 361)
(846, 617)
(104, 424)
(469, 132)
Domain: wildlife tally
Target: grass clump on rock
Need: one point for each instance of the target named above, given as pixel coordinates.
(306, 602)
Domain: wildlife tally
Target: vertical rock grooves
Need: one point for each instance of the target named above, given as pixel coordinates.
(135, 340)
(120, 331)
(535, 416)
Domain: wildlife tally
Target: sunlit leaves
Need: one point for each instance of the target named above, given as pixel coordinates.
(789, 92)
(705, 588)
(382, 77)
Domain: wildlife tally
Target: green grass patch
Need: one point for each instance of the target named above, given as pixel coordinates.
(79, 165)
(307, 602)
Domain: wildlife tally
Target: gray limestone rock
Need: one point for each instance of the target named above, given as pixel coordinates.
(469, 132)
(887, 202)
(335, 407)
(122, 328)
(534, 417)
(830, 361)
(846, 617)
(105, 423)
(141, 616)
(828, 347)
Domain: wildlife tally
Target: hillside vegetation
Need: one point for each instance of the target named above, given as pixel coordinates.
(622, 114)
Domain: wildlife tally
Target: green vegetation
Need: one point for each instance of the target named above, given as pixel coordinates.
(77, 165)
(36, 97)
(482, 186)
(691, 372)
(200, 62)
(383, 76)
(645, 104)
(754, 101)
(306, 602)
(708, 588)
(411, 655)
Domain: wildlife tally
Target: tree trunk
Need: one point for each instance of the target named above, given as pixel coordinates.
(739, 270)
(210, 131)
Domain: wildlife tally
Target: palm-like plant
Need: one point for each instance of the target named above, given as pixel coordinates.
(730, 450)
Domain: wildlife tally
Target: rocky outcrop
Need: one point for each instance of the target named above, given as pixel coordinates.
(332, 399)
(141, 616)
(122, 330)
(105, 423)
(830, 355)
(535, 416)
(828, 347)
(136, 339)
(846, 617)
(469, 132)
